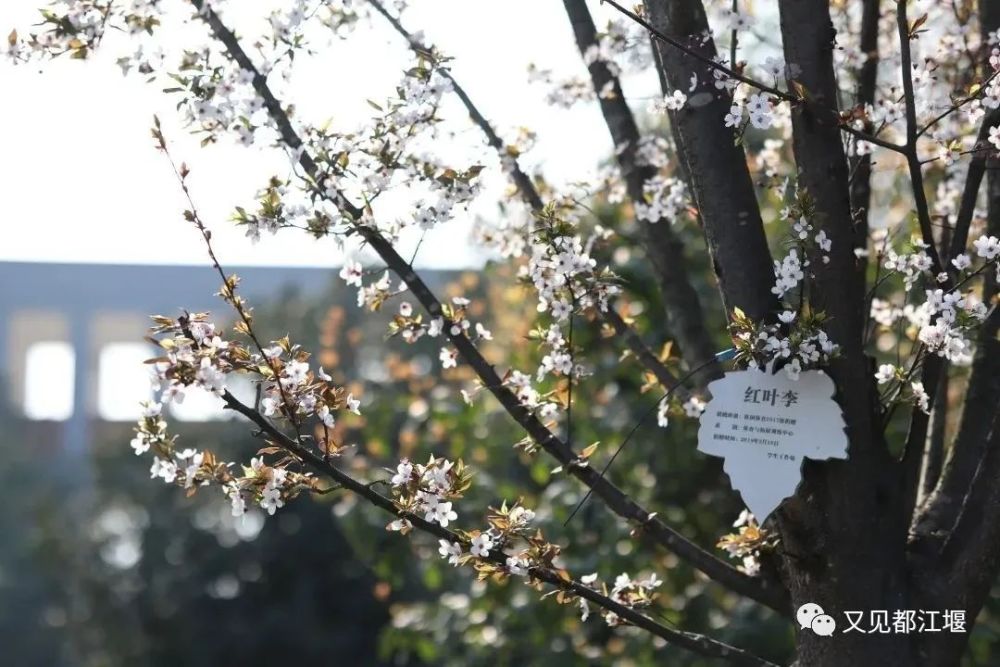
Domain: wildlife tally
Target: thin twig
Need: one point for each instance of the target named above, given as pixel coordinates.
(228, 286)
(631, 432)
(957, 105)
(970, 191)
(734, 37)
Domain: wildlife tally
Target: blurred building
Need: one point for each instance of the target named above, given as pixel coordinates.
(71, 335)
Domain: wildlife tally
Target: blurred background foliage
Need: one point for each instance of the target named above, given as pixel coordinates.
(100, 566)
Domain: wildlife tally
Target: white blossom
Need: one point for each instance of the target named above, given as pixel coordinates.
(481, 545)
(518, 566)
(449, 358)
(404, 471)
(885, 373)
(452, 551)
(920, 396)
(987, 247)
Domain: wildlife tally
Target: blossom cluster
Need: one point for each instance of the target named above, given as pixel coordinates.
(902, 387)
(947, 318)
(539, 403)
(218, 98)
(562, 271)
(805, 244)
(365, 164)
(558, 359)
(652, 151)
(748, 543)
(675, 101)
(617, 47)
(795, 343)
(280, 205)
(620, 45)
(632, 593)
(76, 27)
(567, 280)
(410, 325)
(912, 266)
(665, 198)
(758, 110)
(292, 390)
(691, 408)
(195, 355)
(510, 545)
(566, 92)
(428, 490)
(269, 487)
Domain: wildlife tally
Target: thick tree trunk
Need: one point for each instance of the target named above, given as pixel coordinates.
(845, 552)
(844, 533)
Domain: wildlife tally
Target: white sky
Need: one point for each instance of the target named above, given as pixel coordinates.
(81, 181)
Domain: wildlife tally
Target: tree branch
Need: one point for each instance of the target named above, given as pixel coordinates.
(973, 538)
(970, 191)
(912, 159)
(766, 592)
(861, 165)
(933, 459)
(685, 319)
(955, 536)
(850, 511)
(696, 643)
(823, 175)
(523, 182)
(916, 446)
(528, 191)
(958, 566)
(696, 54)
(982, 401)
(646, 358)
(720, 179)
(738, 76)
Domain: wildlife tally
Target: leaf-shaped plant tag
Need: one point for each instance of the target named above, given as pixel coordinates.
(763, 424)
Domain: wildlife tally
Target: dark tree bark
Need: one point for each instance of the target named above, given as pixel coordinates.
(955, 540)
(933, 461)
(716, 165)
(955, 537)
(845, 531)
(846, 537)
(846, 513)
(845, 528)
(685, 317)
(861, 166)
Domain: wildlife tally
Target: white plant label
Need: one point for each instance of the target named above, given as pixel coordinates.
(764, 424)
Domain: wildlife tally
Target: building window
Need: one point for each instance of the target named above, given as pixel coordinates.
(123, 381)
(50, 368)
